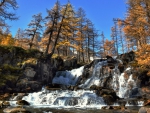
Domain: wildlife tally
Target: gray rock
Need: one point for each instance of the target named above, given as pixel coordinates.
(144, 110)
(29, 72)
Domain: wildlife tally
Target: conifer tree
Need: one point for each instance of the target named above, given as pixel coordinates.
(80, 33)
(68, 30)
(53, 18)
(35, 27)
(6, 7)
(136, 23)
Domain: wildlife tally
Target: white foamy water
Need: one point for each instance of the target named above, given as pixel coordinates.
(96, 77)
(126, 85)
(68, 77)
(65, 99)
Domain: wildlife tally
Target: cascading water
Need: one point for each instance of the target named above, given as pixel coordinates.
(84, 98)
(126, 85)
(68, 77)
(65, 98)
(96, 77)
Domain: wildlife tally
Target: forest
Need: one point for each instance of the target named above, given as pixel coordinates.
(69, 33)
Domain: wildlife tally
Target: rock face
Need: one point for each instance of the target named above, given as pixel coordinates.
(127, 57)
(47, 68)
(24, 75)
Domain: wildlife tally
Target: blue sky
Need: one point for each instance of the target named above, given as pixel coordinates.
(100, 12)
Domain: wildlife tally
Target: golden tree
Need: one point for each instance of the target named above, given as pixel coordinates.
(143, 58)
(7, 40)
(136, 24)
(109, 47)
(68, 30)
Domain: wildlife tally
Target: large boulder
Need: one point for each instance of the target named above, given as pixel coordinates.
(4, 104)
(23, 85)
(127, 57)
(22, 102)
(144, 110)
(109, 95)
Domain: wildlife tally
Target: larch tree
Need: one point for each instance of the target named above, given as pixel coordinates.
(56, 25)
(89, 34)
(7, 40)
(94, 42)
(136, 25)
(101, 47)
(121, 39)
(19, 37)
(53, 17)
(109, 47)
(68, 30)
(81, 34)
(115, 37)
(5, 13)
(34, 27)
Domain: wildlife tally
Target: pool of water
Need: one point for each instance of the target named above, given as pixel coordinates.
(133, 109)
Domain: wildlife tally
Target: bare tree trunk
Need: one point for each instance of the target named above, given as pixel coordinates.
(50, 38)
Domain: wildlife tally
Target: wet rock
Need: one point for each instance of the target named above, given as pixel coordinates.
(121, 68)
(110, 60)
(5, 104)
(146, 102)
(109, 95)
(19, 96)
(107, 107)
(5, 96)
(114, 107)
(51, 88)
(135, 92)
(22, 102)
(15, 110)
(144, 110)
(94, 87)
(109, 99)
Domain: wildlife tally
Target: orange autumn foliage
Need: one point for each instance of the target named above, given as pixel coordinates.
(143, 56)
(7, 40)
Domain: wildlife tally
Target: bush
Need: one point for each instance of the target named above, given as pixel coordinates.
(9, 68)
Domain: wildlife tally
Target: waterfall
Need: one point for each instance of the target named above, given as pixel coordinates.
(122, 83)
